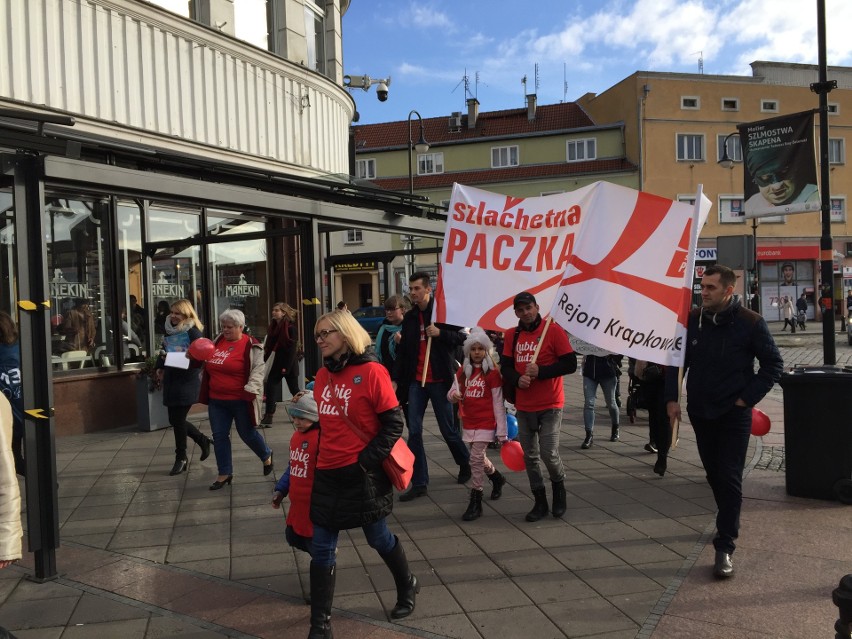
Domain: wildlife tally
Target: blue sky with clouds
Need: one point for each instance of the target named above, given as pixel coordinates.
(428, 46)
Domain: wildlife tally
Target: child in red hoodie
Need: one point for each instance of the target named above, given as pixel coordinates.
(298, 479)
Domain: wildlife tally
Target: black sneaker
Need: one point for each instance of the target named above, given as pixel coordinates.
(650, 447)
(587, 443)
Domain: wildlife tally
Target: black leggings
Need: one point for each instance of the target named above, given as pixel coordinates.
(658, 419)
(272, 388)
(183, 428)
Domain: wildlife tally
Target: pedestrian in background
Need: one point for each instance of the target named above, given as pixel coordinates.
(279, 353)
(603, 371)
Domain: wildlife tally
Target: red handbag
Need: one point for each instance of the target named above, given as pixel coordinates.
(399, 465)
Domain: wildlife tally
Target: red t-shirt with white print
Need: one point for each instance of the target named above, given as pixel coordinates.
(363, 391)
(477, 406)
(227, 369)
(543, 394)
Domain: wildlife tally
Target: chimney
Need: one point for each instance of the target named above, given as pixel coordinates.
(472, 112)
(531, 100)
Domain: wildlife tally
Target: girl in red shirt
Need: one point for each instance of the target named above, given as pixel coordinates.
(478, 386)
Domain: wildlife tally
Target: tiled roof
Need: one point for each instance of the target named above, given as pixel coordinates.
(549, 118)
(511, 174)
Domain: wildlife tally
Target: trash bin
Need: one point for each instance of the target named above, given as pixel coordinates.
(818, 432)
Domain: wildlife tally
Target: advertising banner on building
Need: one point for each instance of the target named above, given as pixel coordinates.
(779, 166)
(611, 265)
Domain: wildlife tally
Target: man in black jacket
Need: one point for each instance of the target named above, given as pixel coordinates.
(417, 330)
(722, 341)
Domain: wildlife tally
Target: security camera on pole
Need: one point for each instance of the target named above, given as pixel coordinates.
(365, 82)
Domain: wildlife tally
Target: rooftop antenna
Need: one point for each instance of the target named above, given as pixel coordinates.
(476, 86)
(564, 82)
(700, 62)
(466, 82)
(537, 82)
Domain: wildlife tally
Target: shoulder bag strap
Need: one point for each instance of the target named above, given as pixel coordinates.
(361, 434)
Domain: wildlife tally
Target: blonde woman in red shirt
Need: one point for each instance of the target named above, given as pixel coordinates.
(351, 490)
(478, 388)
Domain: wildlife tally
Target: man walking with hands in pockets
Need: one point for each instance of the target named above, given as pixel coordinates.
(722, 341)
(535, 357)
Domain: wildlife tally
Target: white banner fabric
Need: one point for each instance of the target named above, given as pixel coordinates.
(611, 264)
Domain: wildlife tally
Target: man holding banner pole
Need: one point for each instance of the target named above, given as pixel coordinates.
(535, 357)
(423, 371)
(722, 341)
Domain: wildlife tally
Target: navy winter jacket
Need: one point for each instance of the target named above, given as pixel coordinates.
(720, 352)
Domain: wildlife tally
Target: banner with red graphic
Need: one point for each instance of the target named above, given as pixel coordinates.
(612, 265)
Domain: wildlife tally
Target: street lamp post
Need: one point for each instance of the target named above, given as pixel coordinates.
(421, 146)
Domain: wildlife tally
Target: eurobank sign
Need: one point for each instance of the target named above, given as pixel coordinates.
(705, 254)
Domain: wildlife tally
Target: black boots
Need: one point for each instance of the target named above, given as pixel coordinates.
(722, 566)
(464, 474)
(587, 442)
(497, 482)
(660, 466)
(322, 594)
(474, 508)
(614, 436)
(540, 509)
(559, 498)
(205, 447)
(406, 583)
(179, 467)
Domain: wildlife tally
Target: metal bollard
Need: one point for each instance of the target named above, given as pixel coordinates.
(842, 598)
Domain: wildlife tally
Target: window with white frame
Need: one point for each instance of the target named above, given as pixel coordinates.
(580, 150)
(315, 36)
(838, 209)
(353, 236)
(731, 209)
(690, 146)
(769, 106)
(735, 149)
(503, 156)
(429, 163)
(365, 169)
(692, 102)
(836, 151)
(730, 104)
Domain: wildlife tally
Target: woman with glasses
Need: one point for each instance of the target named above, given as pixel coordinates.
(351, 490)
(232, 388)
(181, 385)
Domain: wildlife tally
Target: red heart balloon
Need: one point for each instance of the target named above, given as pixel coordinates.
(202, 349)
(513, 456)
(760, 423)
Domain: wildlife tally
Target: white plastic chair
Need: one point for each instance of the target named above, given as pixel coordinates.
(73, 359)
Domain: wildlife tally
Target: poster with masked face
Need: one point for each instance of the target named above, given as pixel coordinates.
(779, 166)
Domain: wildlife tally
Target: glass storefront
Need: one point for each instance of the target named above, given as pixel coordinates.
(117, 264)
(786, 278)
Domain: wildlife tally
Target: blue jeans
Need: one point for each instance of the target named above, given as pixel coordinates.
(722, 446)
(418, 397)
(590, 389)
(324, 543)
(224, 412)
(538, 433)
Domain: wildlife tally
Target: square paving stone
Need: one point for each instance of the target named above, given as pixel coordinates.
(589, 617)
(514, 621)
(475, 596)
(553, 587)
(616, 580)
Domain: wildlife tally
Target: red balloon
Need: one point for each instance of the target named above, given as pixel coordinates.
(513, 456)
(202, 349)
(760, 423)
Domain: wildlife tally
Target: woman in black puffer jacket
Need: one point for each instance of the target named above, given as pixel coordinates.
(181, 385)
(351, 490)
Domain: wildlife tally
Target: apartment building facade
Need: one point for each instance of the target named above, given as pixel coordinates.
(676, 127)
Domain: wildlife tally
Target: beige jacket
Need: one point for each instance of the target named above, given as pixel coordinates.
(10, 495)
(257, 376)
